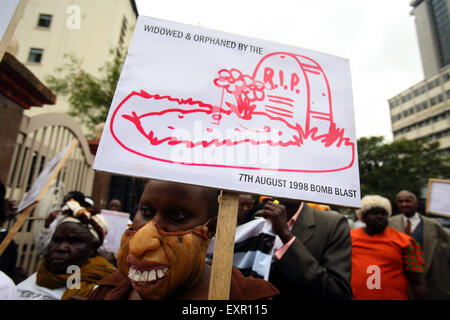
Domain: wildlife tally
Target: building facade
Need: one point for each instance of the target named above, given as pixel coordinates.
(422, 112)
(433, 34)
(50, 29)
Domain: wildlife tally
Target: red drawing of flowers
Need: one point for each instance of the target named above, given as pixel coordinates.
(244, 88)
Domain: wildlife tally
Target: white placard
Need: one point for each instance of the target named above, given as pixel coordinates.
(438, 201)
(39, 187)
(117, 224)
(204, 107)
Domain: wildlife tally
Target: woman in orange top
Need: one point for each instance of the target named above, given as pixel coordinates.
(384, 260)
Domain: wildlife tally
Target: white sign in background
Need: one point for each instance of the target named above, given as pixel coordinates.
(210, 108)
(117, 224)
(43, 178)
(438, 199)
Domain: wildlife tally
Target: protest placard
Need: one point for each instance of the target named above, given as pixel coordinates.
(438, 201)
(38, 190)
(117, 224)
(209, 108)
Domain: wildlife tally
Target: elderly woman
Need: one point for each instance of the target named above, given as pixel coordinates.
(384, 260)
(71, 266)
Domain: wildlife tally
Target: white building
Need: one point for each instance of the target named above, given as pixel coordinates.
(422, 112)
(49, 29)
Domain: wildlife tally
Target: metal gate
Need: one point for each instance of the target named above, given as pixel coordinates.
(40, 138)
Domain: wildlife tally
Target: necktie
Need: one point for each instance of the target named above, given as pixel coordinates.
(408, 227)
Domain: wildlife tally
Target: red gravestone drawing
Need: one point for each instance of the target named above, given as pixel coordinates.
(285, 103)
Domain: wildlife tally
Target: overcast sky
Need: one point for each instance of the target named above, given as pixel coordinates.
(378, 37)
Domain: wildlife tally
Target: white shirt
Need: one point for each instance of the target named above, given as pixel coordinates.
(414, 220)
(29, 290)
(8, 289)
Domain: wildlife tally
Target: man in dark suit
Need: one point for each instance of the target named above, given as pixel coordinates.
(433, 239)
(314, 256)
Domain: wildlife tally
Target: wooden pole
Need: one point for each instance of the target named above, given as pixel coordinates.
(219, 285)
(427, 207)
(23, 217)
(26, 211)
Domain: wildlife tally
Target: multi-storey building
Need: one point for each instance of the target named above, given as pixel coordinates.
(422, 112)
(88, 29)
(433, 33)
(49, 29)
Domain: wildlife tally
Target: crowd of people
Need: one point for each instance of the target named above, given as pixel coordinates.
(315, 253)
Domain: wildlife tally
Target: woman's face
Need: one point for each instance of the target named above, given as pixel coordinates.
(158, 263)
(376, 220)
(71, 244)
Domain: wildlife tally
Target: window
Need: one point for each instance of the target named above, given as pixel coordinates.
(437, 82)
(35, 55)
(123, 30)
(393, 103)
(433, 101)
(396, 117)
(422, 89)
(433, 83)
(45, 20)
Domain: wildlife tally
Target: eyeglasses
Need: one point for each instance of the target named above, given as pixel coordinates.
(200, 230)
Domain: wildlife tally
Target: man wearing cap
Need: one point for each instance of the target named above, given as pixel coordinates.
(71, 266)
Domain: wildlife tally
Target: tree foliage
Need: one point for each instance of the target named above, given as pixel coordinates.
(89, 97)
(387, 168)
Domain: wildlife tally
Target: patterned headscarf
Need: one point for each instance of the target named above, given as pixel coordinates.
(96, 224)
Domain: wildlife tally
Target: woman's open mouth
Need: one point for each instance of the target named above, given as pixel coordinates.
(147, 276)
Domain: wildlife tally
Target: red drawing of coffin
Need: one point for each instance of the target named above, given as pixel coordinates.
(141, 124)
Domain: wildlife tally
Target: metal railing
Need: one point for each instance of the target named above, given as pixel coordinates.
(41, 137)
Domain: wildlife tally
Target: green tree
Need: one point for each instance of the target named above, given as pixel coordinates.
(386, 168)
(89, 97)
